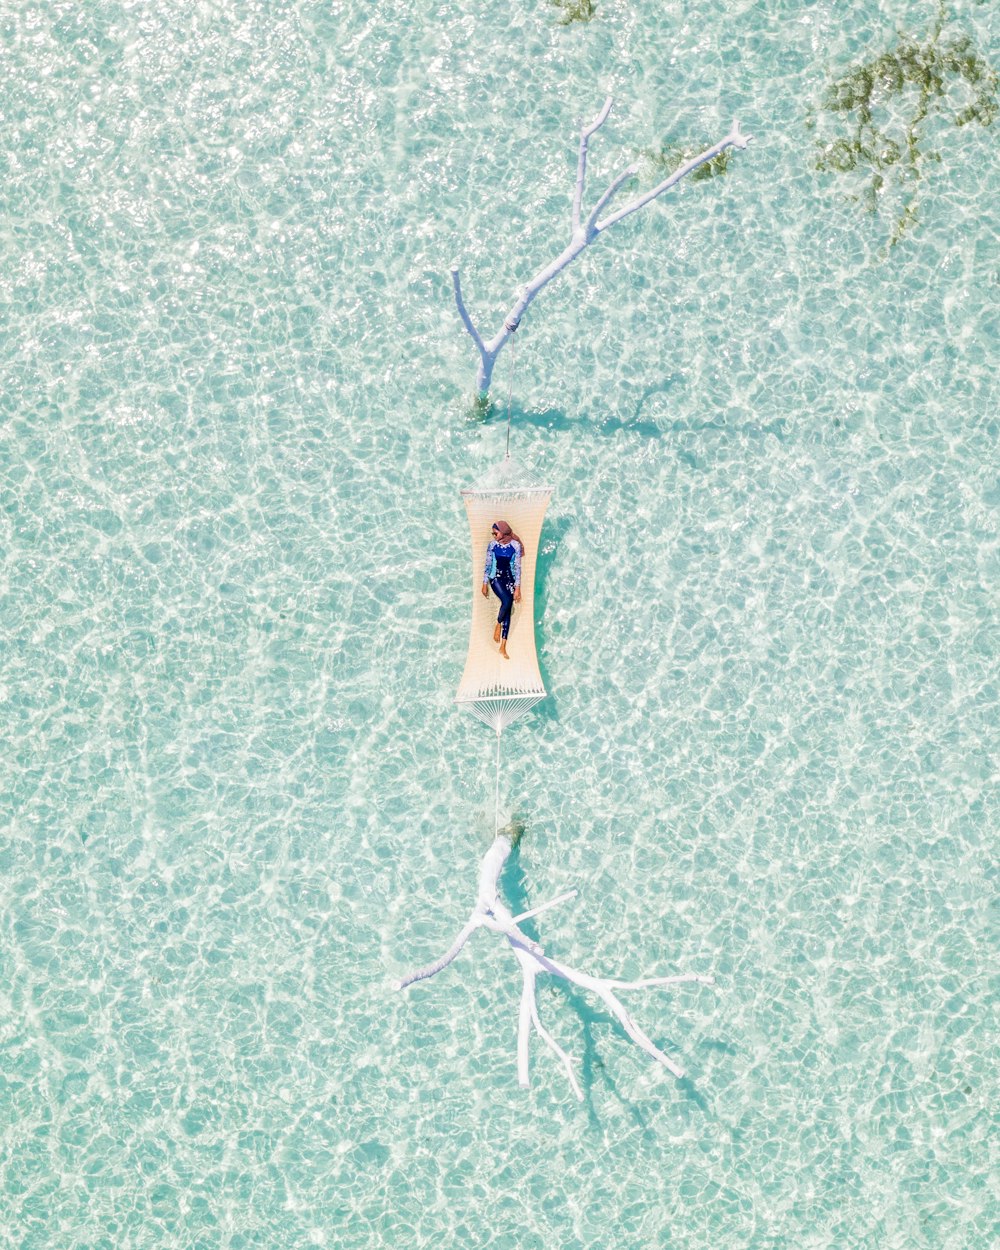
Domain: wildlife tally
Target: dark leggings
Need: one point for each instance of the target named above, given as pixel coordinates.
(503, 588)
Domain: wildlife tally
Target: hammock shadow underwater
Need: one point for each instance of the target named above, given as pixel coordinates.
(648, 427)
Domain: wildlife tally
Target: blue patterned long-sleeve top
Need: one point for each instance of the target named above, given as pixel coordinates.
(506, 553)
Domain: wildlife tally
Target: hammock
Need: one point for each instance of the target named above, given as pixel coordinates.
(495, 690)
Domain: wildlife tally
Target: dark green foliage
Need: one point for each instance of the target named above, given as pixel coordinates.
(664, 160)
(575, 11)
(480, 410)
(911, 81)
(711, 169)
(514, 831)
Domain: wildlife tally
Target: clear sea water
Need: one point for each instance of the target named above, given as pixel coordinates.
(237, 799)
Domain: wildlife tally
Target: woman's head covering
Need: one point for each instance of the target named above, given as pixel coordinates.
(505, 534)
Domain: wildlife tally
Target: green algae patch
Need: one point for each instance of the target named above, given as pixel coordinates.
(575, 11)
(480, 409)
(514, 830)
(661, 162)
(888, 101)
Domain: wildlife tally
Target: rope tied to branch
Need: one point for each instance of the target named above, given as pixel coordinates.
(510, 327)
(496, 806)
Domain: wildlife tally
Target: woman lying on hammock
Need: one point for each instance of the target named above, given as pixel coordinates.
(503, 574)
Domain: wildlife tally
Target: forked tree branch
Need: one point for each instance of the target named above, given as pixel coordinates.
(735, 139)
(581, 165)
(592, 226)
(463, 312)
(582, 234)
(490, 912)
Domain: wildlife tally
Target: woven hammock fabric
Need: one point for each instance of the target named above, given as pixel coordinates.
(496, 690)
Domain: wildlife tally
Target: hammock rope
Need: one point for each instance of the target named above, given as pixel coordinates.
(511, 328)
(496, 806)
(498, 690)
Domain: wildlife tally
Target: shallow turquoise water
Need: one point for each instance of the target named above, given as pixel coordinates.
(237, 800)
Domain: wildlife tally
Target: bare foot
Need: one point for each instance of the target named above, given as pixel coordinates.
(496, 633)
(503, 650)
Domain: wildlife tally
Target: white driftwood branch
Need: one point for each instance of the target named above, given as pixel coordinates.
(537, 911)
(463, 312)
(595, 212)
(735, 139)
(582, 234)
(685, 977)
(524, 1017)
(529, 991)
(422, 974)
(490, 912)
(581, 165)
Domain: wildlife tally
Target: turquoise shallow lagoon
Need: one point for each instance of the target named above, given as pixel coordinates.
(236, 799)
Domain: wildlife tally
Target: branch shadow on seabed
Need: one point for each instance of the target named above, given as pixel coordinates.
(558, 420)
(513, 883)
(607, 425)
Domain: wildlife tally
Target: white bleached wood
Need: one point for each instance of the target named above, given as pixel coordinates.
(581, 165)
(735, 139)
(685, 977)
(582, 234)
(593, 229)
(422, 974)
(524, 1027)
(463, 312)
(491, 913)
(529, 974)
(553, 902)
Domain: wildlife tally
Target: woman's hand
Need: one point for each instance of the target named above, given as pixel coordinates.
(486, 590)
(517, 594)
